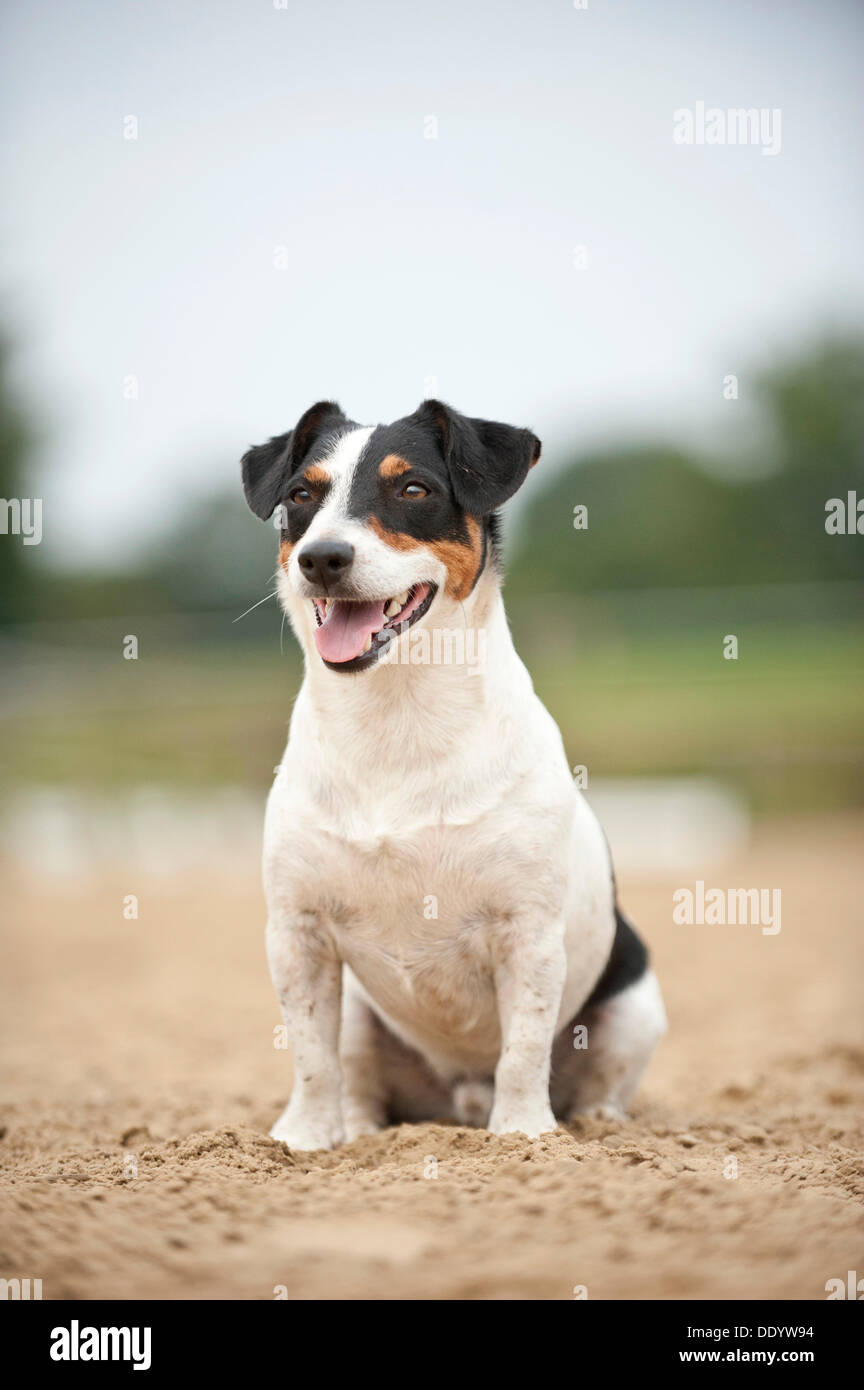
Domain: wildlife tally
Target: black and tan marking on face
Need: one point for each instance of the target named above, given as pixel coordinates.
(431, 481)
(401, 490)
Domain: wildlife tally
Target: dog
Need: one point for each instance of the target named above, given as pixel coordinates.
(442, 932)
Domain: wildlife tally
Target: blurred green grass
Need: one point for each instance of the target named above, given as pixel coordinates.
(783, 724)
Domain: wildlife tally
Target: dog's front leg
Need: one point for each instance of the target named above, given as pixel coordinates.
(307, 975)
(530, 969)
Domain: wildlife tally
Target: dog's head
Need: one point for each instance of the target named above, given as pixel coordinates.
(378, 524)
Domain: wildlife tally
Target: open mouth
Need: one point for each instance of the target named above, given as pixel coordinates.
(352, 633)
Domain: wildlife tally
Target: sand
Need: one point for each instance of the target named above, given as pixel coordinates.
(141, 1077)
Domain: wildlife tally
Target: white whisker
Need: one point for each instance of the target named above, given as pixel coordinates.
(255, 605)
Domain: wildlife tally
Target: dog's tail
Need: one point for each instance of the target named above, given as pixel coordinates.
(627, 963)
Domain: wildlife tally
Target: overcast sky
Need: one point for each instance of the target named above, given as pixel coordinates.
(283, 230)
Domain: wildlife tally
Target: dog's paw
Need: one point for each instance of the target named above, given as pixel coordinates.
(530, 1121)
(362, 1118)
(606, 1111)
(472, 1102)
(360, 1126)
(308, 1132)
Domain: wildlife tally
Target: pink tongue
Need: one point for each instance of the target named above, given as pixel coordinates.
(342, 635)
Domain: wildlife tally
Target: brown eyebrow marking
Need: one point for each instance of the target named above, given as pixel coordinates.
(316, 474)
(393, 466)
(462, 559)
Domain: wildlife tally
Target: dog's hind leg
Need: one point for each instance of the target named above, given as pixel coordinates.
(599, 1058)
(621, 1035)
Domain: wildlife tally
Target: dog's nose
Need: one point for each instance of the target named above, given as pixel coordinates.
(325, 562)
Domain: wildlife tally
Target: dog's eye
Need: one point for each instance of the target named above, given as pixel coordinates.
(300, 495)
(414, 491)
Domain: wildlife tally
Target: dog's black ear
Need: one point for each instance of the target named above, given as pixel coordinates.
(487, 461)
(266, 468)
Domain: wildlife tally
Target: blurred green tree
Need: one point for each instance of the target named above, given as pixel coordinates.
(16, 591)
(814, 406)
(659, 517)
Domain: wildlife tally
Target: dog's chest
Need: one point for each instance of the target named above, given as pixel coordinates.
(411, 895)
(414, 912)
(411, 914)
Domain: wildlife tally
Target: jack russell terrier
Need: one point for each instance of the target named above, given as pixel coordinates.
(441, 901)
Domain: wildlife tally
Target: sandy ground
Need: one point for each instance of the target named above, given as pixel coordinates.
(141, 1077)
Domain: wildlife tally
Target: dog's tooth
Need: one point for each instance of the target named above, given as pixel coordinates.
(402, 599)
(328, 604)
(367, 646)
(392, 608)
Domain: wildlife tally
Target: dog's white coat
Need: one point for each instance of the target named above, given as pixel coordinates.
(428, 856)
